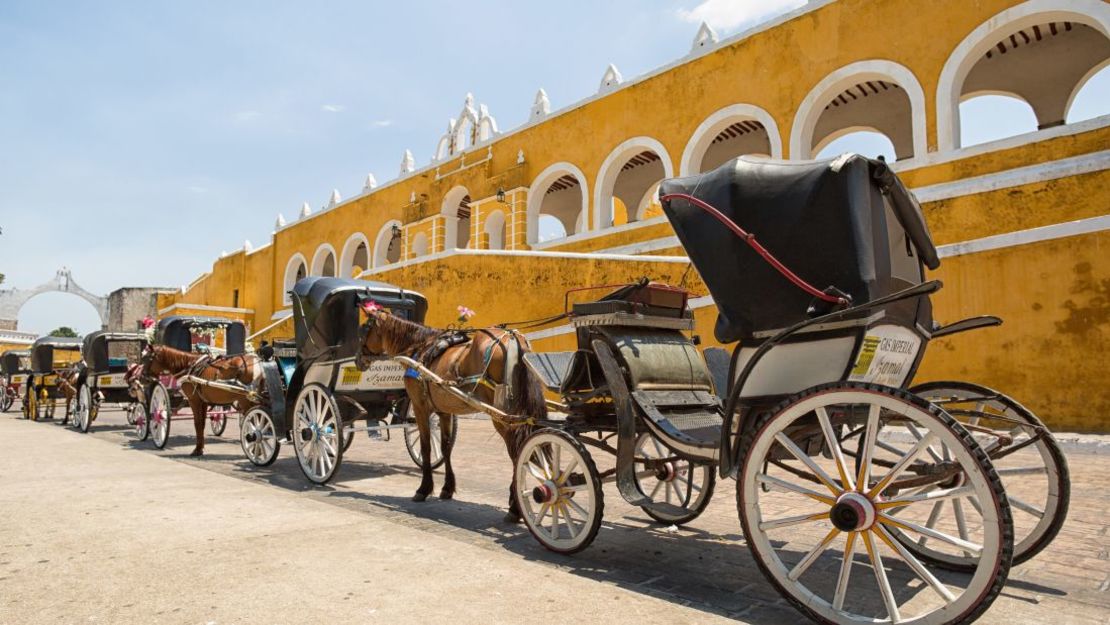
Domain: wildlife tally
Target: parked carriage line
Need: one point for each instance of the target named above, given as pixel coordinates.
(862, 495)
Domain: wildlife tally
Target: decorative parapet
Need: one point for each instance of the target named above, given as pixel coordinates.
(611, 80)
(704, 40)
(541, 106)
(370, 184)
(408, 163)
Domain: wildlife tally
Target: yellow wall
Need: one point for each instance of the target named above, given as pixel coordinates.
(1047, 291)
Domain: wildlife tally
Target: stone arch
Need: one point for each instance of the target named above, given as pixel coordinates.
(495, 227)
(877, 95)
(456, 218)
(323, 261)
(356, 253)
(295, 269)
(560, 191)
(387, 248)
(1010, 30)
(12, 300)
(732, 131)
(629, 174)
(1096, 70)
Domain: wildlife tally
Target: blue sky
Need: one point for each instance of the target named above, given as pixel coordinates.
(140, 139)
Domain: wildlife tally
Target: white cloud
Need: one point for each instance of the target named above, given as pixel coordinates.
(197, 189)
(246, 116)
(332, 108)
(731, 14)
(381, 123)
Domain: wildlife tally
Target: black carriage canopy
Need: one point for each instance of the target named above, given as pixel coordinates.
(177, 332)
(105, 351)
(326, 313)
(15, 361)
(847, 223)
(42, 351)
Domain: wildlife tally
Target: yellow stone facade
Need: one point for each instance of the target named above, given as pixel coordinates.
(1021, 222)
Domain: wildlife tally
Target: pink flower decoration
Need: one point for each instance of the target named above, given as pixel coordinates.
(465, 314)
(147, 322)
(371, 307)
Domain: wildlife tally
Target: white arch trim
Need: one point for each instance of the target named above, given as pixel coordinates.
(381, 244)
(1083, 83)
(1093, 13)
(805, 120)
(320, 256)
(713, 125)
(610, 168)
(844, 132)
(295, 261)
(495, 227)
(347, 258)
(450, 211)
(539, 188)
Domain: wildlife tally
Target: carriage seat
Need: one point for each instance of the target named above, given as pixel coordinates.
(561, 372)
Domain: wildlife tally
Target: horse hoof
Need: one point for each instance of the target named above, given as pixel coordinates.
(197, 452)
(513, 518)
(447, 495)
(419, 497)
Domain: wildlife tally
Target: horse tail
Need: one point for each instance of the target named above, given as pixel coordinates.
(527, 389)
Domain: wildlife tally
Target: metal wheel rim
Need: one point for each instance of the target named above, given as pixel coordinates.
(868, 544)
(412, 440)
(257, 421)
(159, 416)
(217, 423)
(687, 488)
(81, 410)
(563, 525)
(139, 422)
(319, 455)
(1010, 474)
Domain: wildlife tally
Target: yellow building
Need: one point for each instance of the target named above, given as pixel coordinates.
(1022, 222)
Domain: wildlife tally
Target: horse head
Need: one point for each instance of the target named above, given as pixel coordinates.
(370, 340)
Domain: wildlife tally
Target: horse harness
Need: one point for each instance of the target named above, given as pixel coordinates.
(430, 352)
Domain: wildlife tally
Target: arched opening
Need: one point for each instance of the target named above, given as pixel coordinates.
(323, 261)
(387, 245)
(456, 218)
(296, 269)
(1040, 51)
(46, 312)
(495, 230)
(627, 182)
(420, 245)
(866, 142)
(559, 192)
(1092, 96)
(989, 117)
(737, 130)
(355, 257)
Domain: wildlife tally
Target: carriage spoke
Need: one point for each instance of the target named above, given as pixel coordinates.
(975, 504)
(914, 564)
(1041, 470)
(655, 491)
(536, 472)
(1026, 508)
(845, 571)
(811, 557)
(566, 474)
(881, 579)
(931, 533)
(936, 495)
(579, 509)
(555, 520)
(791, 521)
(917, 435)
(793, 488)
(834, 448)
(572, 527)
(795, 451)
(902, 464)
(870, 434)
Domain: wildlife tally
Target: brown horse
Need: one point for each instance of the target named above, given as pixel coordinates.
(487, 363)
(245, 369)
(67, 384)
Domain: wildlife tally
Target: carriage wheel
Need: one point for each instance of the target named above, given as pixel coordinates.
(131, 414)
(82, 408)
(217, 423)
(94, 409)
(679, 482)
(809, 518)
(558, 491)
(1035, 477)
(412, 438)
(317, 425)
(40, 405)
(137, 415)
(159, 415)
(258, 437)
(348, 438)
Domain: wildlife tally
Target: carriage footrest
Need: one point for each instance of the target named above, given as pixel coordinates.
(688, 417)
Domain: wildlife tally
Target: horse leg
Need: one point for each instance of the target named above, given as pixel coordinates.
(446, 425)
(423, 424)
(507, 434)
(200, 414)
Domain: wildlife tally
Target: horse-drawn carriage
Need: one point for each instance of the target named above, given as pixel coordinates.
(108, 358)
(313, 394)
(53, 361)
(212, 336)
(15, 365)
(861, 497)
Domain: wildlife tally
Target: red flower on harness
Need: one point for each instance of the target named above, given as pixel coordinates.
(370, 306)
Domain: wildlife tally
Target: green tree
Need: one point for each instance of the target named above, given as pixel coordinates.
(1, 278)
(64, 331)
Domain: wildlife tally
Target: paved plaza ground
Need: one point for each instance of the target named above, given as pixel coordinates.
(102, 529)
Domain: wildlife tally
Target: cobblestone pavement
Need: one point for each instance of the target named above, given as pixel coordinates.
(704, 566)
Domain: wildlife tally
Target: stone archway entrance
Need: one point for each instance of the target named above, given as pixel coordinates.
(12, 300)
